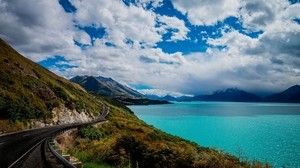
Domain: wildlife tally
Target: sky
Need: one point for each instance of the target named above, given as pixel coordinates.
(175, 47)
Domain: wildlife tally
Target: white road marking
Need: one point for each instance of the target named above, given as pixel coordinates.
(26, 153)
(25, 135)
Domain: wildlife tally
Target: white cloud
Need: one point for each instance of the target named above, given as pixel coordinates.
(267, 62)
(256, 15)
(153, 3)
(37, 28)
(121, 22)
(82, 37)
(161, 93)
(207, 12)
(175, 25)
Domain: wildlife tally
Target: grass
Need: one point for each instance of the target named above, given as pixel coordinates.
(94, 165)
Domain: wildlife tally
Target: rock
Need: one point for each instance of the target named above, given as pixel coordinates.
(38, 124)
(63, 115)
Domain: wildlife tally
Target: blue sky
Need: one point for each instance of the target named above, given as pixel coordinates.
(175, 47)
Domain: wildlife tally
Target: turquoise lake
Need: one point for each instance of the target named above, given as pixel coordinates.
(268, 132)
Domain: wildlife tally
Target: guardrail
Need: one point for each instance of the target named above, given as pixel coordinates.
(61, 158)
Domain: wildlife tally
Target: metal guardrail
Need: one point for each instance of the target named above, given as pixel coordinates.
(64, 161)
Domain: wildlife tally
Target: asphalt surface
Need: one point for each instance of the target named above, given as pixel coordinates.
(35, 159)
(13, 146)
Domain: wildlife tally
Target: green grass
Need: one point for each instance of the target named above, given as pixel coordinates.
(94, 165)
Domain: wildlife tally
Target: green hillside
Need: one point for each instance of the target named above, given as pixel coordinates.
(29, 91)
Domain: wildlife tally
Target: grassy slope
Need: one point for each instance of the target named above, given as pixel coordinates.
(29, 91)
(126, 141)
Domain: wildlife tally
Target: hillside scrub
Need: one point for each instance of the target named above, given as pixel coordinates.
(30, 92)
(126, 141)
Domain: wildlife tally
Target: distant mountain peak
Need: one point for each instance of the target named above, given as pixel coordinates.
(294, 87)
(106, 86)
(229, 94)
(228, 90)
(292, 94)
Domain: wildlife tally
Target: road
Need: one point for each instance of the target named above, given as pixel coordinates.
(13, 146)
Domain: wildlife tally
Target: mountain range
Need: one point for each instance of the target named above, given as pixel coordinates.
(290, 95)
(114, 90)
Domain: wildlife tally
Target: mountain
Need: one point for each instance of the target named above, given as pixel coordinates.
(164, 98)
(30, 92)
(106, 86)
(291, 95)
(231, 94)
(113, 90)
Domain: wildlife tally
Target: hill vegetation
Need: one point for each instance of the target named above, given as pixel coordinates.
(126, 141)
(30, 92)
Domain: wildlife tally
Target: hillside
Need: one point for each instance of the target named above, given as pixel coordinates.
(231, 94)
(114, 90)
(291, 95)
(29, 92)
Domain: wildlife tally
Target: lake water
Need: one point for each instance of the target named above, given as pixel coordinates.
(268, 132)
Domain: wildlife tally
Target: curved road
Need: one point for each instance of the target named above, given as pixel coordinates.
(13, 146)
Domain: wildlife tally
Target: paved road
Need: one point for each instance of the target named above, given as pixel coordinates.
(13, 146)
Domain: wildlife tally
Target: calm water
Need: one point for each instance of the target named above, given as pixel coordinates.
(262, 131)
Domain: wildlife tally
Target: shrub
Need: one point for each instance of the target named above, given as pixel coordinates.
(60, 93)
(90, 133)
(128, 150)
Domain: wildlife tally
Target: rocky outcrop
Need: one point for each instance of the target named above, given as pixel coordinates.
(64, 115)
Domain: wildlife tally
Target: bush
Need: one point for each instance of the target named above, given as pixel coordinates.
(60, 93)
(90, 133)
(128, 150)
(52, 104)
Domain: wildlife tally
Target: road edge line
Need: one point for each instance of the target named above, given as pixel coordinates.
(26, 153)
